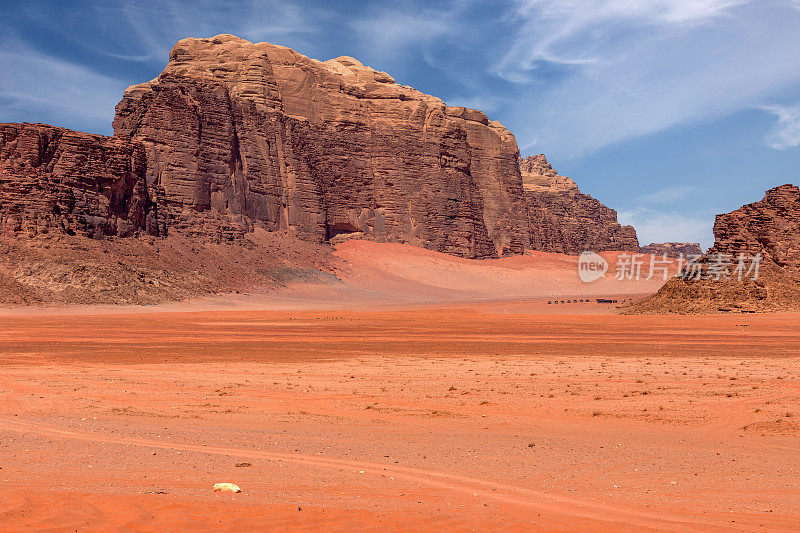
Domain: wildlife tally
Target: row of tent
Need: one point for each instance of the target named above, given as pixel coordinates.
(587, 300)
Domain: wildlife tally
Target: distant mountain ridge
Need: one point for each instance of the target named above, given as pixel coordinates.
(673, 249)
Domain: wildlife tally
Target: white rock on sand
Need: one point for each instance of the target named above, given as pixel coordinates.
(226, 487)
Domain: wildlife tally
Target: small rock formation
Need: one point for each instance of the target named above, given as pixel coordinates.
(672, 249)
(769, 230)
(562, 219)
(58, 180)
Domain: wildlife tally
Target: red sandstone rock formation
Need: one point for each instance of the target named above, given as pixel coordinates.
(260, 134)
(52, 179)
(563, 219)
(768, 229)
(672, 249)
(234, 135)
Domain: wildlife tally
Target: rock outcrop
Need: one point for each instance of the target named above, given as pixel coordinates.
(53, 179)
(563, 219)
(238, 134)
(754, 264)
(770, 227)
(673, 249)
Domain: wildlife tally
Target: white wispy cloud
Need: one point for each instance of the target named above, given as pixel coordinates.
(158, 25)
(585, 73)
(786, 131)
(668, 194)
(653, 225)
(35, 85)
(575, 32)
(39, 86)
(390, 32)
(630, 68)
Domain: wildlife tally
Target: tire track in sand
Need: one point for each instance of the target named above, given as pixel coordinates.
(501, 492)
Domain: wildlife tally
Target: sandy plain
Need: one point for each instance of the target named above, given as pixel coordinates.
(358, 406)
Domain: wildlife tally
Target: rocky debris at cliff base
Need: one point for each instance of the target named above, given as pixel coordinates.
(772, 292)
(63, 269)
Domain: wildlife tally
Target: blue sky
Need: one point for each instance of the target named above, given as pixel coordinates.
(669, 111)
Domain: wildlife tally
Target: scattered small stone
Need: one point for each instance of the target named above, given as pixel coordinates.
(226, 487)
(242, 465)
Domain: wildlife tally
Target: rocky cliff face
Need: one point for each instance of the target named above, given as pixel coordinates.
(563, 219)
(238, 134)
(768, 229)
(673, 249)
(234, 135)
(57, 180)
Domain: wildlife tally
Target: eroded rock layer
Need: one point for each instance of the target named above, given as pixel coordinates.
(58, 180)
(770, 227)
(765, 234)
(259, 134)
(562, 219)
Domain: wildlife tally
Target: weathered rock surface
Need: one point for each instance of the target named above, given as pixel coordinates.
(768, 229)
(53, 179)
(234, 135)
(562, 219)
(672, 249)
(238, 133)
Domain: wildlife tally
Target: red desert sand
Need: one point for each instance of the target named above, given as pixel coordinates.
(424, 392)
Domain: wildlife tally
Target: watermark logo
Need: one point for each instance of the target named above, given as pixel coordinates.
(591, 267)
(635, 267)
(718, 267)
